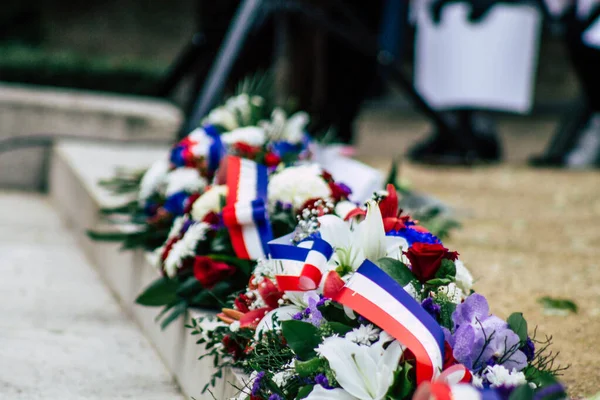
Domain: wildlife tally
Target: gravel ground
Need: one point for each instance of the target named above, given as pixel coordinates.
(526, 233)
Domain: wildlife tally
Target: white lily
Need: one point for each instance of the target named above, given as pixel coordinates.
(364, 240)
(363, 372)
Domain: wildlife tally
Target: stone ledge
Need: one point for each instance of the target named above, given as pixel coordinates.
(29, 110)
(75, 169)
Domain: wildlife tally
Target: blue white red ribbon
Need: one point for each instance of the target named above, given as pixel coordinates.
(314, 253)
(446, 391)
(376, 296)
(202, 142)
(245, 214)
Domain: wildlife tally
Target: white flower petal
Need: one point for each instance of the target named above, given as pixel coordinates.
(320, 393)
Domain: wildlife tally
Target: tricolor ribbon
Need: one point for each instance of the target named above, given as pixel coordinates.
(314, 253)
(245, 213)
(446, 391)
(378, 297)
(202, 142)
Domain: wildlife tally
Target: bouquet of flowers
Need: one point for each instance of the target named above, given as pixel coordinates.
(370, 305)
(212, 248)
(242, 127)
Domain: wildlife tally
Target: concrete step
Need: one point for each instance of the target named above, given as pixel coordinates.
(33, 110)
(63, 334)
(75, 171)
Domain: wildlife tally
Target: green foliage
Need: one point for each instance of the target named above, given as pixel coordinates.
(396, 269)
(301, 337)
(558, 306)
(404, 383)
(161, 292)
(518, 325)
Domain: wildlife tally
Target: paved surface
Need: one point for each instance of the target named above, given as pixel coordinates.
(526, 233)
(63, 335)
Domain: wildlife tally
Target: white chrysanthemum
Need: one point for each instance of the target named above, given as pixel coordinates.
(364, 334)
(186, 247)
(152, 180)
(251, 135)
(266, 267)
(210, 201)
(464, 279)
(176, 227)
(282, 128)
(500, 376)
(287, 372)
(452, 292)
(184, 180)
(296, 185)
(477, 382)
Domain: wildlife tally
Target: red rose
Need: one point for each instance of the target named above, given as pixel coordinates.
(272, 159)
(425, 259)
(209, 272)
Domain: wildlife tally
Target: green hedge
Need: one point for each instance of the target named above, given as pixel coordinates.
(35, 65)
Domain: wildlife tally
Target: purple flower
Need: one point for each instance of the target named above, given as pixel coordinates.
(257, 384)
(322, 380)
(481, 339)
(275, 396)
(529, 349)
(431, 308)
(298, 316)
(315, 315)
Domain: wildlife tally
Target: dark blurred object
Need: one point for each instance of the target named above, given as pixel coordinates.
(576, 142)
(346, 62)
(479, 8)
(20, 23)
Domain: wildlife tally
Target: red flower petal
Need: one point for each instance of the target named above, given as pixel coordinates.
(333, 284)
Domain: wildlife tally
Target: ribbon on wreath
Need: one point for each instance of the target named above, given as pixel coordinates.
(314, 253)
(201, 142)
(245, 213)
(376, 296)
(446, 391)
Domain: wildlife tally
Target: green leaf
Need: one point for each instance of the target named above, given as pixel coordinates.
(302, 337)
(447, 270)
(446, 310)
(304, 391)
(189, 287)
(558, 306)
(439, 282)
(161, 292)
(403, 383)
(177, 311)
(339, 328)
(396, 270)
(392, 176)
(107, 236)
(308, 368)
(524, 392)
(518, 325)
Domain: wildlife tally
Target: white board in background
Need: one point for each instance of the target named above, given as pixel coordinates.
(487, 65)
(591, 36)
